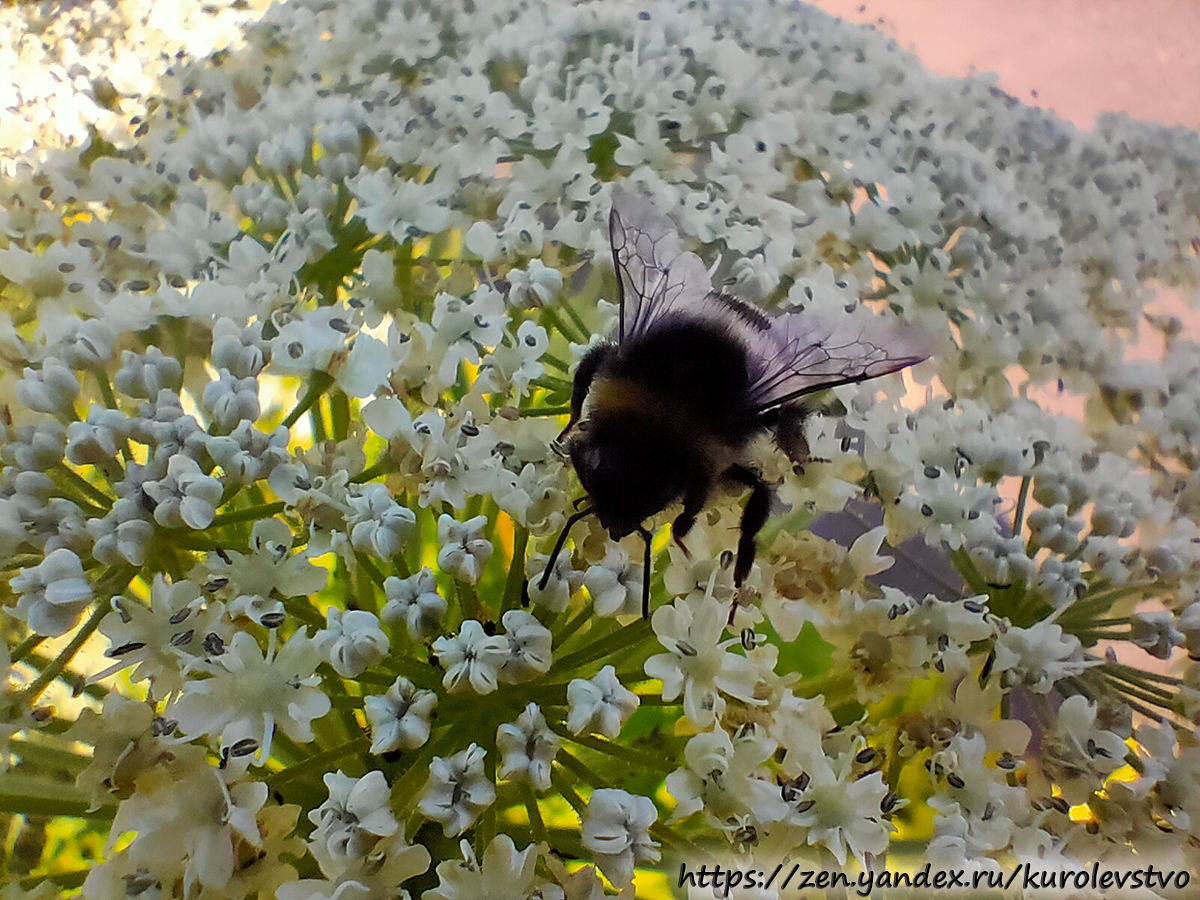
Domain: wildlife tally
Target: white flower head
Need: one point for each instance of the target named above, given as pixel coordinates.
(527, 748)
(698, 663)
(599, 704)
(1039, 655)
(352, 641)
(53, 593)
(617, 832)
(399, 719)
(471, 659)
(529, 647)
(465, 551)
(248, 693)
(356, 815)
(415, 601)
(186, 496)
(502, 874)
(615, 584)
(458, 790)
(378, 524)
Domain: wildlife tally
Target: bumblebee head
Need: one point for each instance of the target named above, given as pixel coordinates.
(628, 478)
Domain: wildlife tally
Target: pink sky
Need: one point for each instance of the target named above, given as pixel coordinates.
(1082, 57)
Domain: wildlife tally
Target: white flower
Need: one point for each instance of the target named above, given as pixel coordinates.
(527, 748)
(465, 551)
(562, 583)
(378, 524)
(186, 496)
(617, 832)
(248, 693)
(471, 659)
(415, 601)
(535, 285)
(458, 790)
(399, 718)
(503, 874)
(722, 778)
(697, 663)
(1039, 655)
(840, 810)
(615, 584)
(350, 823)
(600, 704)
(253, 582)
(53, 593)
(352, 641)
(399, 207)
(529, 647)
(1078, 754)
(52, 389)
(229, 400)
(163, 639)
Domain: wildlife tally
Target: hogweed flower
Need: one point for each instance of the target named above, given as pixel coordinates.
(290, 330)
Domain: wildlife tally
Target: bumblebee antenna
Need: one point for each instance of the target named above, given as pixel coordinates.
(558, 545)
(646, 537)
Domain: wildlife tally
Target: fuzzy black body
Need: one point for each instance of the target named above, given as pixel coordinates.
(664, 418)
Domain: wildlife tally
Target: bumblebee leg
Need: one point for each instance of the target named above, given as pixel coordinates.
(646, 537)
(754, 516)
(558, 545)
(692, 504)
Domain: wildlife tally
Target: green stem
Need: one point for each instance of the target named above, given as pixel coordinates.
(545, 412)
(86, 486)
(248, 514)
(381, 467)
(1022, 497)
(30, 643)
(516, 571)
(641, 761)
(51, 672)
(318, 761)
(321, 382)
(623, 638)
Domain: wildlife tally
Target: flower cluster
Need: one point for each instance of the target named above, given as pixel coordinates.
(288, 331)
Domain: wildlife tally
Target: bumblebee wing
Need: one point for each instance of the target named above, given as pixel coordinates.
(655, 274)
(798, 353)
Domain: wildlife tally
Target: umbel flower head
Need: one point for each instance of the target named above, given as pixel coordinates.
(293, 299)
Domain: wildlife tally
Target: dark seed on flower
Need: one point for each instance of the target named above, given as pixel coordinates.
(125, 648)
(1058, 804)
(956, 781)
(295, 349)
(224, 557)
(273, 620)
(303, 483)
(213, 644)
(889, 801)
(802, 781)
(926, 510)
(749, 639)
(470, 430)
(183, 638)
(726, 559)
(181, 615)
(686, 649)
(216, 584)
(988, 812)
(943, 642)
(341, 325)
(940, 665)
(865, 756)
(932, 472)
(974, 606)
(805, 806)
(138, 284)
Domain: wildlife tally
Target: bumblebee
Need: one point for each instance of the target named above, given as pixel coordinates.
(663, 411)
